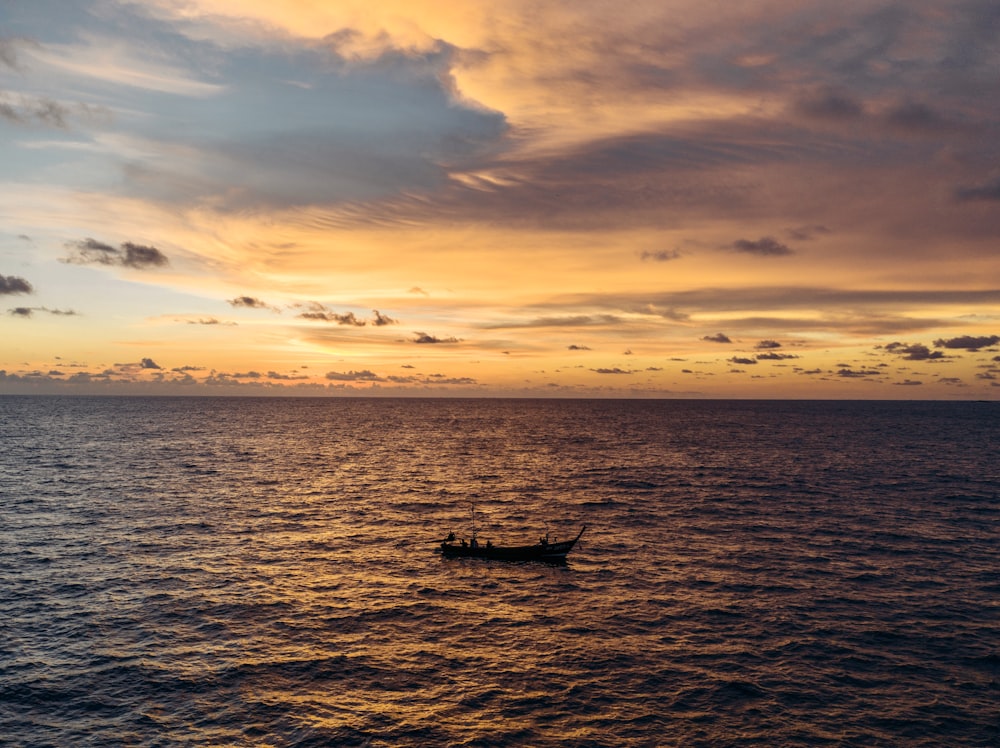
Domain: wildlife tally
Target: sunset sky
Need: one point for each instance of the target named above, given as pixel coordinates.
(673, 198)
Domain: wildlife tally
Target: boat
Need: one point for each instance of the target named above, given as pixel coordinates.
(550, 551)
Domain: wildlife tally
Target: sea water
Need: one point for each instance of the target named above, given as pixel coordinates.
(263, 572)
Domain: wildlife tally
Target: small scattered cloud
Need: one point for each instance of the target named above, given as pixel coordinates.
(767, 345)
(11, 284)
(431, 379)
(383, 320)
(575, 347)
(286, 377)
(914, 352)
(662, 255)
(249, 302)
(28, 311)
(615, 370)
(717, 338)
(850, 373)
(766, 246)
(773, 356)
(210, 321)
(320, 313)
(742, 361)
(354, 376)
(807, 233)
(148, 363)
(129, 255)
(423, 337)
(346, 318)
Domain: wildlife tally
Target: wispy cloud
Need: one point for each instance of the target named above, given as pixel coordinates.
(765, 247)
(29, 311)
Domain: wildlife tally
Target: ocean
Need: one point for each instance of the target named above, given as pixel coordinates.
(264, 572)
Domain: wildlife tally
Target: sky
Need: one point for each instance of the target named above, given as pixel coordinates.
(676, 198)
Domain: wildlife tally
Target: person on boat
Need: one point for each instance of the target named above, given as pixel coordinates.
(475, 543)
(464, 544)
(489, 544)
(544, 540)
(450, 538)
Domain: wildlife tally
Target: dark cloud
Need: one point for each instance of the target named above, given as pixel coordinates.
(382, 320)
(916, 117)
(915, 352)
(575, 347)
(771, 356)
(148, 363)
(828, 103)
(249, 302)
(717, 338)
(615, 370)
(742, 361)
(140, 256)
(354, 376)
(286, 377)
(28, 311)
(849, 373)
(24, 109)
(397, 139)
(11, 284)
(968, 342)
(765, 247)
(663, 255)
(767, 345)
(8, 53)
(136, 256)
(806, 233)
(320, 313)
(952, 381)
(347, 318)
(432, 379)
(422, 337)
(988, 192)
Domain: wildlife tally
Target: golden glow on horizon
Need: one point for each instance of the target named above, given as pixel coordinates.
(498, 198)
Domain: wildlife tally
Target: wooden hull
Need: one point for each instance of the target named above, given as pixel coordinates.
(547, 552)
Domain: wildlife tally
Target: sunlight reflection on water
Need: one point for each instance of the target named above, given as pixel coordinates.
(264, 573)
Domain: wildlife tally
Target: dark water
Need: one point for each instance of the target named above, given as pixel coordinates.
(242, 572)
